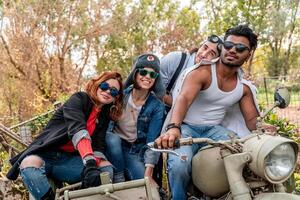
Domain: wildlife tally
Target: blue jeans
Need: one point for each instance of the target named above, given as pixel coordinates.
(124, 158)
(60, 166)
(179, 171)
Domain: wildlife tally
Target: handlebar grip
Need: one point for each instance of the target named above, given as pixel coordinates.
(176, 144)
(155, 145)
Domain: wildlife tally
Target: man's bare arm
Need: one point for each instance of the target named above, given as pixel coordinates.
(192, 85)
(248, 108)
(168, 100)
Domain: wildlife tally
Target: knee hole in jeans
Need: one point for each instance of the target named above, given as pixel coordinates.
(31, 161)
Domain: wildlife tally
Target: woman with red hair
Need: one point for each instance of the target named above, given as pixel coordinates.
(70, 148)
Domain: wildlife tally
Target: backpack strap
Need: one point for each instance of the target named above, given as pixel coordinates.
(177, 72)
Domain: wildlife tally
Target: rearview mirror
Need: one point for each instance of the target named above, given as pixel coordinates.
(282, 97)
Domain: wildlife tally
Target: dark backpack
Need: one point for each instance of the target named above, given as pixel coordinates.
(174, 78)
(177, 72)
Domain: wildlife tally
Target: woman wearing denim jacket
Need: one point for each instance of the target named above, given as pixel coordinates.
(141, 122)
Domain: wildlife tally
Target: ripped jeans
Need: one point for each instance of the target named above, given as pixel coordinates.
(180, 171)
(60, 166)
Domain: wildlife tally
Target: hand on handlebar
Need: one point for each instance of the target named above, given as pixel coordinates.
(168, 139)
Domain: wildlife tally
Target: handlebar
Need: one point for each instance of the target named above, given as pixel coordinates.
(228, 144)
(178, 143)
(184, 142)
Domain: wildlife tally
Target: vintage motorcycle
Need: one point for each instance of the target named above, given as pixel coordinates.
(253, 167)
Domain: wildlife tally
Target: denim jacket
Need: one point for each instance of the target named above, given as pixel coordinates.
(149, 124)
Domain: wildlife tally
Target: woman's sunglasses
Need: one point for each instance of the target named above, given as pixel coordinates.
(144, 72)
(240, 48)
(112, 90)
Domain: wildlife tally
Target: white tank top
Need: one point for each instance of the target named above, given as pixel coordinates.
(209, 107)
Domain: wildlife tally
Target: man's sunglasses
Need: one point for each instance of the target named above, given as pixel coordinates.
(144, 72)
(240, 48)
(214, 39)
(112, 90)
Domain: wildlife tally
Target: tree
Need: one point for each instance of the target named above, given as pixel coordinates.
(146, 26)
(45, 48)
(47, 45)
(276, 22)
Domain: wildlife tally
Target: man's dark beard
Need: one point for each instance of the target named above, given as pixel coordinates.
(231, 65)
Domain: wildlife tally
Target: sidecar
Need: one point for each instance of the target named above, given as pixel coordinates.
(130, 190)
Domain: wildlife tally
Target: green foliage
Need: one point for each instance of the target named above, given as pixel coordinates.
(4, 162)
(275, 22)
(189, 20)
(37, 125)
(146, 26)
(297, 183)
(284, 127)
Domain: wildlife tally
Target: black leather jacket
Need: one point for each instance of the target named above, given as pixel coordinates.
(69, 119)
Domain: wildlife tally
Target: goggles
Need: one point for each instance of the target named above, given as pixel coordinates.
(240, 48)
(144, 72)
(214, 39)
(112, 90)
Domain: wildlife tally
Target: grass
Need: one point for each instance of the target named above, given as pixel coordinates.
(267, 98)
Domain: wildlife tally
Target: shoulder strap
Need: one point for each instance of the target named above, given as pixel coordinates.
(177, 72)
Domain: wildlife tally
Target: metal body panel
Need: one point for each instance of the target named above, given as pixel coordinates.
(208, 172)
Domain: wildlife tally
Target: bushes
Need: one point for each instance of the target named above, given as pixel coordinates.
(4, 163)
(284, 127)
(297, 182)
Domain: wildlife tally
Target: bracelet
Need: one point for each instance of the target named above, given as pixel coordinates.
(173, 125)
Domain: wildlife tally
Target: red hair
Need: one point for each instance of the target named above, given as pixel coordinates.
(92, 87)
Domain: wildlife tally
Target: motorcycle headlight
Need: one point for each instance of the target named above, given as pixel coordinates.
(272, 157)
(280, 162)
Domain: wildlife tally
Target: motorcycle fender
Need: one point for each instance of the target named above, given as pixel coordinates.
(208, 172)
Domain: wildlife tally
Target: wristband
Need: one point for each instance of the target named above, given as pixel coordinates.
(173, 125)
(87, 158)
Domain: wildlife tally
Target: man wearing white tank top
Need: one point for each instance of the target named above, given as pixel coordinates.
(200, 107)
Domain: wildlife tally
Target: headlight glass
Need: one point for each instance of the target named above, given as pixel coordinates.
(280, 162)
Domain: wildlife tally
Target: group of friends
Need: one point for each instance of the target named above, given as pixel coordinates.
(107, 127)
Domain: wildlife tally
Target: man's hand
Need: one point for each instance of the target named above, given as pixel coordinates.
(168, 139)
(269, 129)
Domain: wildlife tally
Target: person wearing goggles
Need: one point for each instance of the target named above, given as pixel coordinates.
(206, 94)
(71, 147)
(141, 122)
(210, 49)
